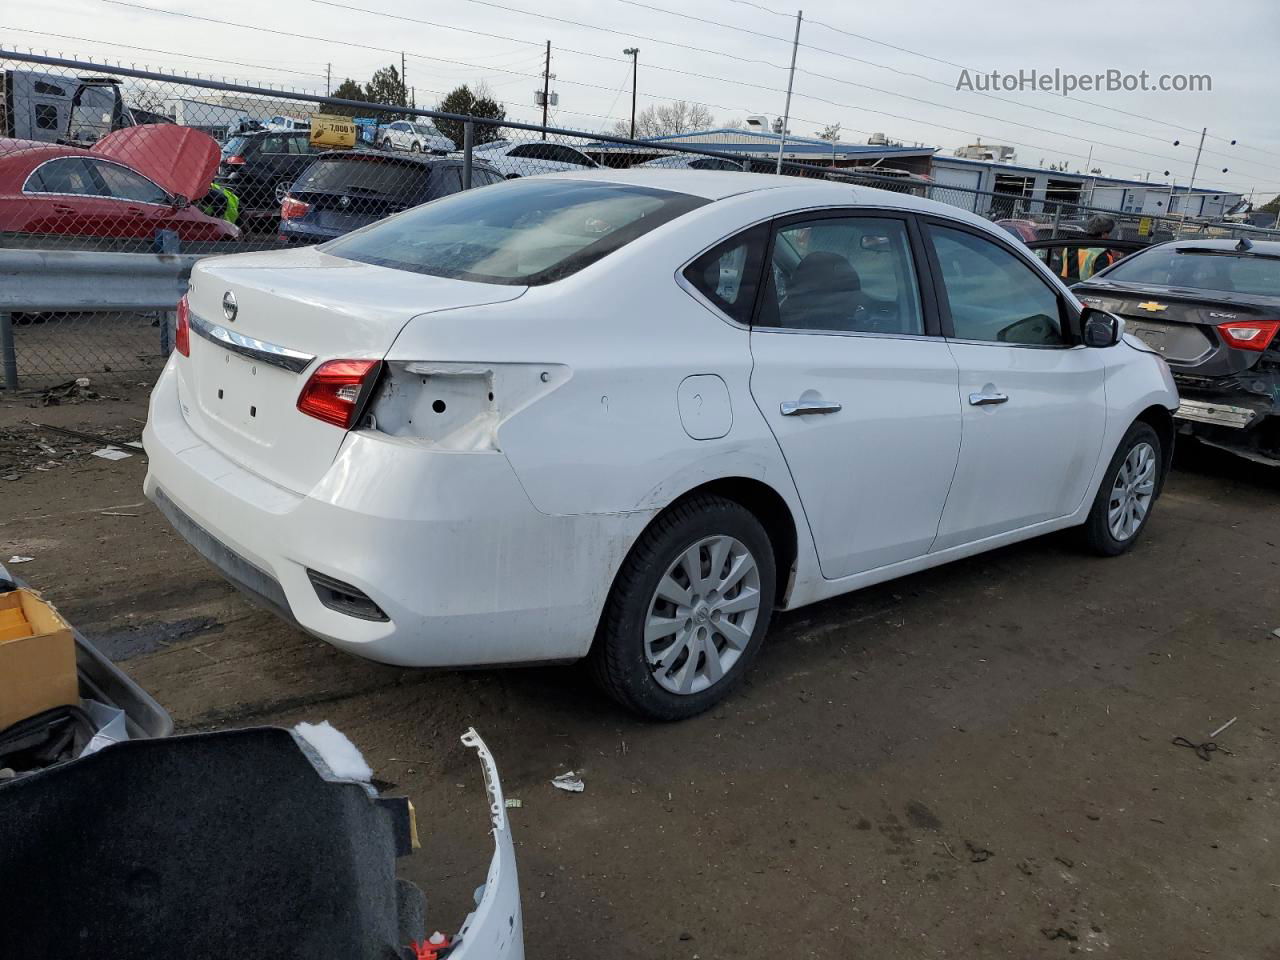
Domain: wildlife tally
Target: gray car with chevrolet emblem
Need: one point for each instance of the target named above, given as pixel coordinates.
(1211, 308)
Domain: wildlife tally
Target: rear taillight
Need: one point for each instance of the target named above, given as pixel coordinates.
(182, 329)
(1248, 334)
(291, 209)
(337, 390)
(234, 161)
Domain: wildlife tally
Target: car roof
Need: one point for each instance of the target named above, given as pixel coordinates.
(36, 150)
(408, 159)
(718, 184)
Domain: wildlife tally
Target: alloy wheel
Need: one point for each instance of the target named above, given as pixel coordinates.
(702, 615)
(1131, 494)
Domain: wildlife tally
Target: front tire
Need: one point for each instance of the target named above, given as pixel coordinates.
(1123, 505)
(415, 147)
(688, 611)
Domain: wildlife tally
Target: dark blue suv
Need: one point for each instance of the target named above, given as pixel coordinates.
(347, 189)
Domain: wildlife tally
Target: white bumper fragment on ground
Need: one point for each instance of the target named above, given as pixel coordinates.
(495, 929)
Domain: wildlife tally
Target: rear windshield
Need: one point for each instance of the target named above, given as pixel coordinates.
(234, 147)
(1224, 272)
(364, 177)
(522, 232)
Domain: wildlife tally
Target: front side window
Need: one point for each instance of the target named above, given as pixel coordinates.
(843, 274)
(993, 295)
(1220, 271)
(73, 176)
(525, 232)
(729, 274)
(124, 184)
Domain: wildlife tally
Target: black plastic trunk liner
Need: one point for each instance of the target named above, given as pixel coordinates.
(222, 845)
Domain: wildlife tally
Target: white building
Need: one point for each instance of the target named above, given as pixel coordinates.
(214, 119)
(1033, 191)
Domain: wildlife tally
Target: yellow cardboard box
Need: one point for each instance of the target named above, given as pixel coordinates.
(37, 658)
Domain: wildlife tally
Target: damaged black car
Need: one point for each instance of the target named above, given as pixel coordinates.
(1211, 308)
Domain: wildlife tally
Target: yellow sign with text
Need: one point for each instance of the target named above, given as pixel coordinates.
(1144, 227)
(329, 130)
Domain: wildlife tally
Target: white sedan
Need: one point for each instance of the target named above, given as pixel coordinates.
(627, 415)
(529, 158)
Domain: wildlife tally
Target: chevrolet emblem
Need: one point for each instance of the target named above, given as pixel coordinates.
(1152, 307)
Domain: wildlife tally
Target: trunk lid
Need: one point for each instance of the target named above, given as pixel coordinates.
(287, 312)
(1182, 325)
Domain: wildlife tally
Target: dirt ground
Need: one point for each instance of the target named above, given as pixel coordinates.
(970, 762)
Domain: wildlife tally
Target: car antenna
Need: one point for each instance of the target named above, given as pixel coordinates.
(1244, 244)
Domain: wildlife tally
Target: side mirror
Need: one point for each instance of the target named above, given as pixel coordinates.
(180, 202)
(1099, 328)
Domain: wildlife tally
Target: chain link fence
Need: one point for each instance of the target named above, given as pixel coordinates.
(105, 159)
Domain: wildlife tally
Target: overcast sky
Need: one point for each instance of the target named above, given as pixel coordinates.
(742, 66)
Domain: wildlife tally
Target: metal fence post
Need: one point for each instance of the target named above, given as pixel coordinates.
(1057, 218)
(8, 353)
(468, 145)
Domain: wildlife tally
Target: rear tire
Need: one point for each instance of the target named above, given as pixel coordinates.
(671, 642)
(415, 147)
(1128, 491)
(387, 144)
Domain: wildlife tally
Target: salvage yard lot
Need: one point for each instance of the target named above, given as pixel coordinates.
(973, 761)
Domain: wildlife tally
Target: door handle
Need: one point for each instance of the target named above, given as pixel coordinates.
(987, 399)
(798, 408)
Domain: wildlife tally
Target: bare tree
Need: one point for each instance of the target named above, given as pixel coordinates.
(665, 119)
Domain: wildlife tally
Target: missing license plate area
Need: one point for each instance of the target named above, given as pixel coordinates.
(236, 389)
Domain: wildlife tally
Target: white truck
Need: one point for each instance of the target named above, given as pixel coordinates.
(58, 108)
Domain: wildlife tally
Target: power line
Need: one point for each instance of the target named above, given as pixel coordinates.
(952, 63)
(835, 53)
(636, 3)
(127, 46)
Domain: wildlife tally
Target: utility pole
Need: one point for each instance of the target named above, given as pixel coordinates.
(404, 84)
(546, 90)
(791, 77)
(1195, 167)
(328, 78)
(634, 54)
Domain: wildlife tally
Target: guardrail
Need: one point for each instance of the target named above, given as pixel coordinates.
(34, 282)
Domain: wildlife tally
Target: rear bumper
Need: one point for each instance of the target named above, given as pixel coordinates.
(448, 545)
(1217, 413)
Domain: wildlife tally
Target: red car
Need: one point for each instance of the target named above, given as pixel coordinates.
(133, 183)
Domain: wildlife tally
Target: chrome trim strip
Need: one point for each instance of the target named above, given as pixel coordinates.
(92, 196)
(1221, 414)
(277, 356)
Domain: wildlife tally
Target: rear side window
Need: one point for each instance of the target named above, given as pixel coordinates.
(729, 274)
(124, 184)
(357, 176)
(447, 179)
(525, 232)
(1224, 272)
